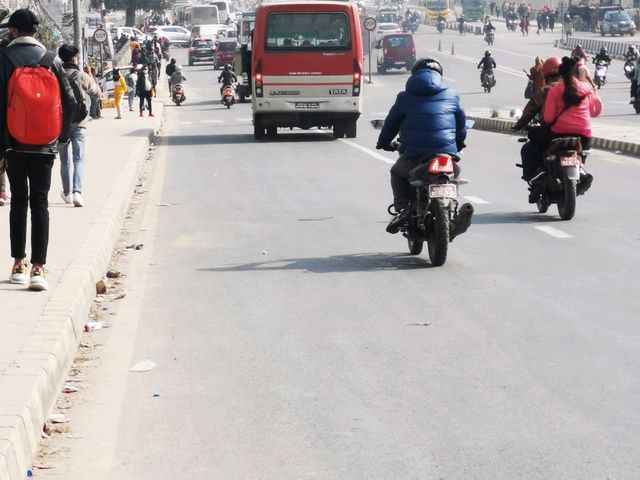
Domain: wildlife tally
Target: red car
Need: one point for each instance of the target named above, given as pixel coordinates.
(225, 53)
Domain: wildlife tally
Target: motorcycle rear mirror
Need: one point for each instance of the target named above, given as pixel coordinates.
(468, 123)
(522, 139)
(377, 123)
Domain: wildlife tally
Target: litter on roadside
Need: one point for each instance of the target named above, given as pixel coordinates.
(144, 366)
(58, 418)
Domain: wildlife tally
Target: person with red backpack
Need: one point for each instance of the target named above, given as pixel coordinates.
(36, 107)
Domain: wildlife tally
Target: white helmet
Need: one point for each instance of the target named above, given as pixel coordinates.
(178, 68)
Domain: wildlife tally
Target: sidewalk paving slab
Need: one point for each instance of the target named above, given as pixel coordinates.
(40, 331)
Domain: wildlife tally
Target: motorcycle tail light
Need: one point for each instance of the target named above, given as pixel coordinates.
(441, 164)
(385, 51)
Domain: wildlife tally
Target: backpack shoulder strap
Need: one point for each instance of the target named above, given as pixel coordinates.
(47, 59)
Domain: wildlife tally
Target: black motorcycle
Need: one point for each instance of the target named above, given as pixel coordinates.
(435, 216)
(488, 80)
(562, 177)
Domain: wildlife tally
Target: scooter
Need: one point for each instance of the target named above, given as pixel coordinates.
(489, 37)
(629, 68)
(440, 26)
(488, 80)
(600, 74)
(178, 95)
(461, 27)
(228, 96)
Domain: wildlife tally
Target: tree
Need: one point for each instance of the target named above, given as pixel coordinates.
(130, 7)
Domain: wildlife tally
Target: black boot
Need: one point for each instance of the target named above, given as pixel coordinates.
(584, 184)
(400, 220)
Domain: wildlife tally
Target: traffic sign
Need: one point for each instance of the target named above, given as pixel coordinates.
(100, 35)
(370, 23)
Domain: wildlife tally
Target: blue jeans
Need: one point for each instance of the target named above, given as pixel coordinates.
(77, 147)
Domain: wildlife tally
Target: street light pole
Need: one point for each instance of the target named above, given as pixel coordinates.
(77, 31)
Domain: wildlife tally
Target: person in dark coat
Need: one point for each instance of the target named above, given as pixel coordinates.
(144, 89)
(430, 119)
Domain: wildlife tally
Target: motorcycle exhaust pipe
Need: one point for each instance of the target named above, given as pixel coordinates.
(463, 220)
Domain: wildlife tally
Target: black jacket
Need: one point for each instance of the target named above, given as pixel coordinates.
(31, 51)
(487, 63)
(227, 77)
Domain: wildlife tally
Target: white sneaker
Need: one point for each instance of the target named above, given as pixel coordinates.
(38, 282)
(19, 275)
(77, 200)
(66, 198)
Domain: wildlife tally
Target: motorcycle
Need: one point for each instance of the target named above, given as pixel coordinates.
(629, 69)
(178, 96)
(461, 27)
(228, 95)
(511, 24)
(635, 101)
(440, 26)
(562, 177)
(600, 74)
(488, 81)
(489, 37)
(435, 216)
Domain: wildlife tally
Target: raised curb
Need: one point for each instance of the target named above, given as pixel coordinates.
(30, 386)
(592, 46)
(504, 126)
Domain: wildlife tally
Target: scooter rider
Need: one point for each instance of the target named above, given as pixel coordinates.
(227, 77)
(176, 78)
(487, 63)
(632, 54)
(430, 119)
(531, 152)
(579, 52)
(602, 55)
(461, 21)
(488, 27)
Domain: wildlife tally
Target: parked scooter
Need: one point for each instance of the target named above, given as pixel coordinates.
(228, 95)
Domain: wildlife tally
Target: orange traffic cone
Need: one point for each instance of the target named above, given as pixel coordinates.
(452, 49)
(439, 45)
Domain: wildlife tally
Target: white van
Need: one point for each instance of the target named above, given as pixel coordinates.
(208, 31)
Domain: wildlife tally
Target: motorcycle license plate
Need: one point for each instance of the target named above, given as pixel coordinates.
(444, 190)
(570, 161)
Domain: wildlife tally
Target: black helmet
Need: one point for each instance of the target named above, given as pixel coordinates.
(578, 47)
(227, 66)
(426, 63)
(487, 53)
(603, 50)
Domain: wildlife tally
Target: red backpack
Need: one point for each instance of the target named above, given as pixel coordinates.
(34, 104)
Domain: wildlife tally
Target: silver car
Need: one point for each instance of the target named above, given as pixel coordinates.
(175, 34)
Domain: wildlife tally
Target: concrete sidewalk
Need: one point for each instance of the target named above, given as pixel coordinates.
(40, 331)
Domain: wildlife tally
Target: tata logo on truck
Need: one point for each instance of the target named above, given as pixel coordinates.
(337, 91)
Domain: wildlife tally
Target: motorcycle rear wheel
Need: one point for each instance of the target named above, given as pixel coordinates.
(438, 239)
(567, 204)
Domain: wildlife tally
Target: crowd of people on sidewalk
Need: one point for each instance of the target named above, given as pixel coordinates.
(48, 118)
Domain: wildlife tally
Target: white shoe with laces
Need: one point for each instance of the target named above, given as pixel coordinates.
(66, 198)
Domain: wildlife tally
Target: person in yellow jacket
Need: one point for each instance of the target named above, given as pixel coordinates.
(119, 90)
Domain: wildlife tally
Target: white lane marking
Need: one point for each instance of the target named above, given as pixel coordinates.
(368, 151)
(211, 120)
(185, 123)
(244, 119)
(476, 200)
(554, 232)
(448, 79)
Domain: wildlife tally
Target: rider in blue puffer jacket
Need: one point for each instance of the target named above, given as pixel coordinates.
(430, 119)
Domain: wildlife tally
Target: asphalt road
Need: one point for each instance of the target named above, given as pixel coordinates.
(293, 338)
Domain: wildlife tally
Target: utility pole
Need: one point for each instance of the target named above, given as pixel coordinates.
(77, 32)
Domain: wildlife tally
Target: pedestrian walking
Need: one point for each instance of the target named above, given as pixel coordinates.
(130, 79)
(31, 127)
(119, 89)
(72, 182)
(144, 89)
